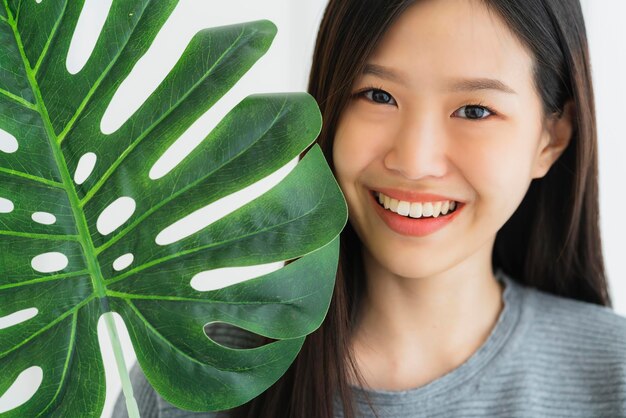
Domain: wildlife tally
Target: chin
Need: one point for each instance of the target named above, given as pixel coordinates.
(417, 271)
(411, 264)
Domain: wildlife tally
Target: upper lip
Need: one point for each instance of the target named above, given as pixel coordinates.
(413, 196)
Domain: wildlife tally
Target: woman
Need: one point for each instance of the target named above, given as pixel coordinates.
(471, 281)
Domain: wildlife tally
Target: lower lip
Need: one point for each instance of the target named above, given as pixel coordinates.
(417, 227)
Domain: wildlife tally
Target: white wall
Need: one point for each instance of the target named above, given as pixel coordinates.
(285, 68)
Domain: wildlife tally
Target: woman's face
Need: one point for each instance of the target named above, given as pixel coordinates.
(447, 106)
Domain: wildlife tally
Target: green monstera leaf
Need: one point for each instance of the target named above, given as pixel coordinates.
(50, 123)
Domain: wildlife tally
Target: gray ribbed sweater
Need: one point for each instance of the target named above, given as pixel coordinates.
(547, 356)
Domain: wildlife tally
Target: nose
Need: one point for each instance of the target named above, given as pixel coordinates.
(418, 149)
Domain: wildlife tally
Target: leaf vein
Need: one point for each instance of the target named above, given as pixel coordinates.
(70, 351)
(44, 51)
(40, 236)
(33, 178)
(18, 99)
(124, 295)
(45, 279)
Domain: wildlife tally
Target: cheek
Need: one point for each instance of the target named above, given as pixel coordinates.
(356, 146)
(498, 164)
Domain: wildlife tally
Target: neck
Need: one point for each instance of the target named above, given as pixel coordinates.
(412, 330)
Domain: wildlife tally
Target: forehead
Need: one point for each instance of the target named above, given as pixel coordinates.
(437, 40)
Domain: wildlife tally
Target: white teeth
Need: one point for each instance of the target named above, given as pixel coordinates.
(436, 209)
(416, 210)
(404, 208)
(427, 209)
(445, 207)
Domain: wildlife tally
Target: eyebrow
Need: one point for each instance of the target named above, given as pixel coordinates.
(459, 85)
(473, 84)
(383, 72)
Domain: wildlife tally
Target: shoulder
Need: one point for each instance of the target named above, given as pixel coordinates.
(592, 333)
(566, 354)
(562, 357)
(588, 319)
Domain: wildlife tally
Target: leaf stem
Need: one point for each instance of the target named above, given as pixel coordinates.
(127, 388)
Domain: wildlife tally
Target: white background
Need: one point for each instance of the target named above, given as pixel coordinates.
(285, 68)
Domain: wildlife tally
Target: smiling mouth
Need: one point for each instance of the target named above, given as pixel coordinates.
(417, 210)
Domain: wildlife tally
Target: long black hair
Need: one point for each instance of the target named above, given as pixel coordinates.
(552, 242)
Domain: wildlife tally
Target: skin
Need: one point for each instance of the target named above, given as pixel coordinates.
(432, 301)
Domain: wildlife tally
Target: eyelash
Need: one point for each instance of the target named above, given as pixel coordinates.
(361, 93)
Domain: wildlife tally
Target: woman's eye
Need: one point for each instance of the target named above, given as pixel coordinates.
(379, 96)
(473, 112)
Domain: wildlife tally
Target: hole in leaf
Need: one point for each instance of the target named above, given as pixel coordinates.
(6, 206)
(114, 215)
(24, 387)
(18, 317)
(44, 218)
(85, 167)
(227, 276)
(49, 262)
(232, 336)
(86, 34)
(189, 140)
(123, 261)
(8, 143)
(203, 217)
(38, 1)
(150, 70)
